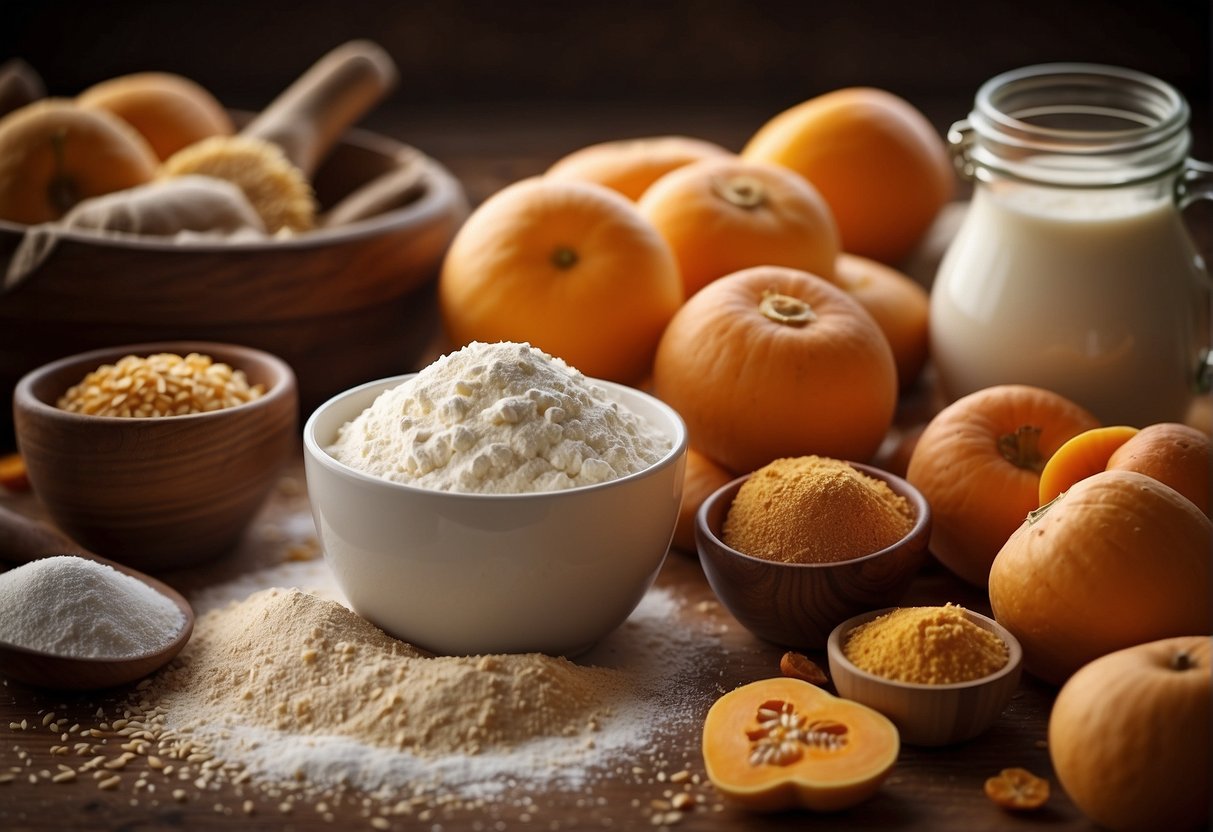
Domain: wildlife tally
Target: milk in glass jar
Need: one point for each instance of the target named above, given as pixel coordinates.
(1073, 269)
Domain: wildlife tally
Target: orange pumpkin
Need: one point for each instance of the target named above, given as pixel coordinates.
(781, 743)
(723, 215)
(877, 160)
(170, 111)
(771, 362)
(1119, 559)
(630, 166)
(1079, 457)
(1129, 736)
(898, 303)
(702, 476)
(570, 267)
(978, 463)
(54, 154)
(1171, 453)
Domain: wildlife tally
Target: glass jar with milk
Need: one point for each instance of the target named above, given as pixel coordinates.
(1073, 269)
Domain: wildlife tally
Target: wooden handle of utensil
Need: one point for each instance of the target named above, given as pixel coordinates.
(23, 539)
(308, 118)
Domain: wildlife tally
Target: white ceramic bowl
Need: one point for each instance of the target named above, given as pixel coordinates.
(465, 574)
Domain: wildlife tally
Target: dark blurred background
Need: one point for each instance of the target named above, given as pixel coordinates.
(533, 79)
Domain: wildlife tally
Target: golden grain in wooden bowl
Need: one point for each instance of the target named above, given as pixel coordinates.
(150, 490)
(342, 304)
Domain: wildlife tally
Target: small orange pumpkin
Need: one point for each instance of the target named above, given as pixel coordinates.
(781, 743)
(570, 267)
(1129, 736)
(876, 159)
(978, 463)
(771, 362)
(1175, 454)
(898, 303)
(170, 111)
(1119, 559)
(723, 215)
(630, 166)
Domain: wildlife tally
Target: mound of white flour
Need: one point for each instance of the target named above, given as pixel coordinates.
(501, 418)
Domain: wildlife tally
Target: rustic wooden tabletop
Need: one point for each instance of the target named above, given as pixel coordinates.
(930, 788)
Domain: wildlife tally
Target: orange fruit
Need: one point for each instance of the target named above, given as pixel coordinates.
(170, 111)
(876, 159)
(1080, 457)
(570, 267)
(771, 362)
(899, 305)
(631, 165)
(724, 215)
(1174, 454)
(54, 154)
(978, 463)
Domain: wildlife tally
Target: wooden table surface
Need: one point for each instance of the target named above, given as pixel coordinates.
(930, 789)
(934, 789)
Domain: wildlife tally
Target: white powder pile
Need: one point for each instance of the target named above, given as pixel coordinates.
(498, 418)
(70, 606)
(296, 689)
(290, 661)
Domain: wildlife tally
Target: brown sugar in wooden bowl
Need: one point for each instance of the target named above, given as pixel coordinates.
(168, 110)
(156, 493)
(798, 604)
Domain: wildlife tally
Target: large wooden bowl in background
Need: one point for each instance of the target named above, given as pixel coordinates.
(341, 305)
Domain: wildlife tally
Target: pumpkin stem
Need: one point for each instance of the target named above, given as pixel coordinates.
(1037, 513)
(564, 257)
(741, 191)
(1181, 661)
(1022, 448)
(783, 309)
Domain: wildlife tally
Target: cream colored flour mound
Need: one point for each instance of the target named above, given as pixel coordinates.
(286, 660)
(498, 418)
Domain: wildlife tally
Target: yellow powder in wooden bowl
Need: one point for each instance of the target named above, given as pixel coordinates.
(814, 509)
(926, 646)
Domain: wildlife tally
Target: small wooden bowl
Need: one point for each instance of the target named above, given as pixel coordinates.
(929, 714)
(342, 305)
(156, 493)
(798, 604)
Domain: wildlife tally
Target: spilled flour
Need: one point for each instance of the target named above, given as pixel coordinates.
(294, 687)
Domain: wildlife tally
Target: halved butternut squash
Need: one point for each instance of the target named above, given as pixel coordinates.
(781, 743)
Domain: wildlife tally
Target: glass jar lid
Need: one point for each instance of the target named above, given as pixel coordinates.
(1074, 124)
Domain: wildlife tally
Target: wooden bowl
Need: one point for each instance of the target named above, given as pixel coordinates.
(156, 493)
(798, 604)
(341, 305)
(929, 714)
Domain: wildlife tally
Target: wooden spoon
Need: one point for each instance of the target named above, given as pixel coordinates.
(23, 540)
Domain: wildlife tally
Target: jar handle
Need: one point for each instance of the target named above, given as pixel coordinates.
(960, 139)
(1194, 184)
